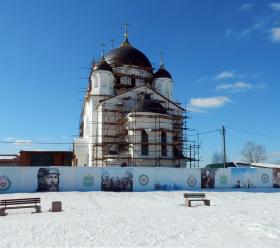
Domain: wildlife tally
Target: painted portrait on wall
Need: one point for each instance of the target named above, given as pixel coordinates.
(208, 178)
(117, 180)
(48, 179)
(276, 177)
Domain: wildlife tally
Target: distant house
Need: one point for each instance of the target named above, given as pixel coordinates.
(243, 164)
(46, 158)
(221, 165)
(259, 165)
(9, 160)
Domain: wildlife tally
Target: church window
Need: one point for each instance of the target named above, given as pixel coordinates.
(133, 82)
(144, 143)
(176, 150)
(163, 144)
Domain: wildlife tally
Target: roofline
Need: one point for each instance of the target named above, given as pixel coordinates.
(103, 100)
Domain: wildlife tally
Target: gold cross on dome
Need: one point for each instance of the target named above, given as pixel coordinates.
(125, 29)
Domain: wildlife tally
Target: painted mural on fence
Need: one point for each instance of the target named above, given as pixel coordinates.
(88, 180)
(5, 183)
(48, 179)
(243, 177)
(168, 179)
(276, 177)
(222, 178)
(208, 178)
(117, 179)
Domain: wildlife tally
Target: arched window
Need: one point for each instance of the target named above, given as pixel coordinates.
(163, 144)
(176, 151)
(144, 143)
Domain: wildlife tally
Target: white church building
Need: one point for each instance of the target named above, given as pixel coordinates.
(129, 117)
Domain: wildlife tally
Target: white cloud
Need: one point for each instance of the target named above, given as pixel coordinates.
(201, 79)
(9, 138)
(22, 142)
(275, 6)
(275, 34)
(208, 102)
(246, 6)
(224, 74)
(235, 87)
(239, 86)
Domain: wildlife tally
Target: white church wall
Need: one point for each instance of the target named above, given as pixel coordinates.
(164, 86)
(81, 150)
(128, 70)
(102, 83)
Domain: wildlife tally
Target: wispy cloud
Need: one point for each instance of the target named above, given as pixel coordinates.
(275, 6)
(20, 142)
(224, 74)
(10, 138)
(199, 104)
(246, 7)
(239, 86)
(275, 34)
(262, 24)
(201, 79)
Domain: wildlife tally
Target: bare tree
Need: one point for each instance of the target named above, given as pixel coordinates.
(253, 153)
(217, 157)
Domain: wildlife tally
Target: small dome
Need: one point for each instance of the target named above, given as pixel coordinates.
(162, 73)
(102, 65)
(146, 104)
(126, 54)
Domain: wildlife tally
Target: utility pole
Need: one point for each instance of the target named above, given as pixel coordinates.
(224, 145)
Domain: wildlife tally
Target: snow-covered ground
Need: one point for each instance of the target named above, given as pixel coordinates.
(93, 219)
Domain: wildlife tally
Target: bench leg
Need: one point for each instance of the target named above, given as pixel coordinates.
(2, 212)
(38, 209)
(207, 202)
(188, 203)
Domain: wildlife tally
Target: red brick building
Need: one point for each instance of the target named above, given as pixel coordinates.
(46, 158)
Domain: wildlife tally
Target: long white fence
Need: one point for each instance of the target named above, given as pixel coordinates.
(33, 179)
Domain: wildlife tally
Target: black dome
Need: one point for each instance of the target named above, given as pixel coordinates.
(127, 54)
(146, 104)
(102, 65)
(162, 73)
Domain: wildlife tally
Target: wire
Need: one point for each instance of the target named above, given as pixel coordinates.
(255, 133)
(212, 131)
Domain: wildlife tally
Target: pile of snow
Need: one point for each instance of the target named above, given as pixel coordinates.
(147, 219)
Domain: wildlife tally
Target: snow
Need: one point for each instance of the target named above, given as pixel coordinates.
(244, 218)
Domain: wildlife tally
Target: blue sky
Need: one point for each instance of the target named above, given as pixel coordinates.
(223, 57)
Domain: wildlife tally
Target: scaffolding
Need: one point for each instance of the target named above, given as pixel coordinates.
(117, 130)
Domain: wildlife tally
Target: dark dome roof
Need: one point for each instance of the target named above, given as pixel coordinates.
(162, 73)
(146, 104)
(102, 65)
(127, 54)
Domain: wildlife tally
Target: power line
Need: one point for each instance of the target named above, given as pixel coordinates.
(255, 133)
(212, 131)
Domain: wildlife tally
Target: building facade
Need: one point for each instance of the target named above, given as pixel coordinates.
(129, 117)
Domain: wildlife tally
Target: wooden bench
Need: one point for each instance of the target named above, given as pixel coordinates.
(189, 197)
(20, 203)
